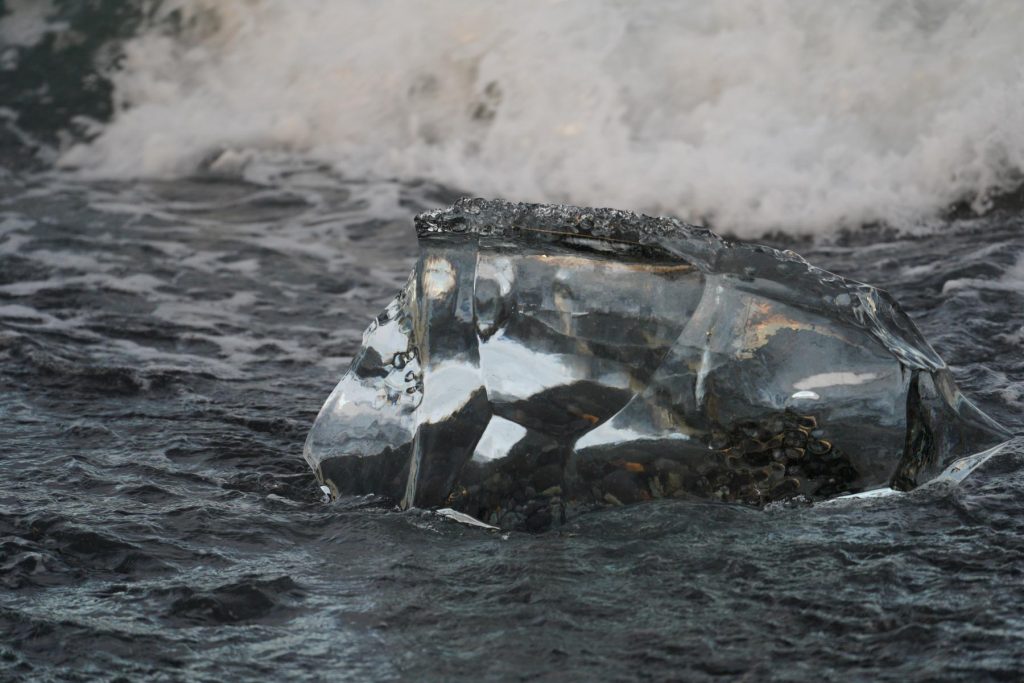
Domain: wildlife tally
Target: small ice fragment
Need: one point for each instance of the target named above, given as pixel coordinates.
(463, 518)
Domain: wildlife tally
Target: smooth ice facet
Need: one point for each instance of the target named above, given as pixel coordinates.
(543, 358)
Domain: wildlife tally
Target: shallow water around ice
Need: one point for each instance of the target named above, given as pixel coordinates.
(164, 348)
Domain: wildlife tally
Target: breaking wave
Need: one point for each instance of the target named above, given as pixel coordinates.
(751, 115)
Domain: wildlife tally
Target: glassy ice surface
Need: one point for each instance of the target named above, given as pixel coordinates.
(547, 358)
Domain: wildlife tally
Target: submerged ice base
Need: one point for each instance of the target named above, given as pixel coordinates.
(543, 358)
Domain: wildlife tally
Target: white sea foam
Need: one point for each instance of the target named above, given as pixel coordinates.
(755, 114)
(1012, 280)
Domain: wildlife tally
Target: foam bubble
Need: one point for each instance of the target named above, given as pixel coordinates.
(752, 114)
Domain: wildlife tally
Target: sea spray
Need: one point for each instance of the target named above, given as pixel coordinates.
(749, 115)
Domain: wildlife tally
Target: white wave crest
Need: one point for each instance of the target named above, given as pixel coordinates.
(753, 114)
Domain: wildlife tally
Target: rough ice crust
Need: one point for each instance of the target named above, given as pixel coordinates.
(543, 358)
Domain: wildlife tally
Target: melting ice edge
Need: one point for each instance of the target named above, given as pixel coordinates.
(542, 359)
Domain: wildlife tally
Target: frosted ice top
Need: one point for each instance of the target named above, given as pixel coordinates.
(545, 358)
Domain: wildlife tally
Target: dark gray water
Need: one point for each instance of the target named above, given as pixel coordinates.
(164, 348)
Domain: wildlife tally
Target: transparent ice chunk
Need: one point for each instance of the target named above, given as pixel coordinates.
(362, 437)
(546, 358)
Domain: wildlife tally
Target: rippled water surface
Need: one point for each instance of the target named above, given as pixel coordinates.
(165, 346)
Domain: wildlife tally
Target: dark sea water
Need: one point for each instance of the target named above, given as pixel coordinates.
(165, 346)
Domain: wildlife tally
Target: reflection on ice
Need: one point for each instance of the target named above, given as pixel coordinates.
(498, 439)
(831, 379)
(543, 358)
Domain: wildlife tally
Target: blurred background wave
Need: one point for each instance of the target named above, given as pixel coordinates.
(751, 115)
